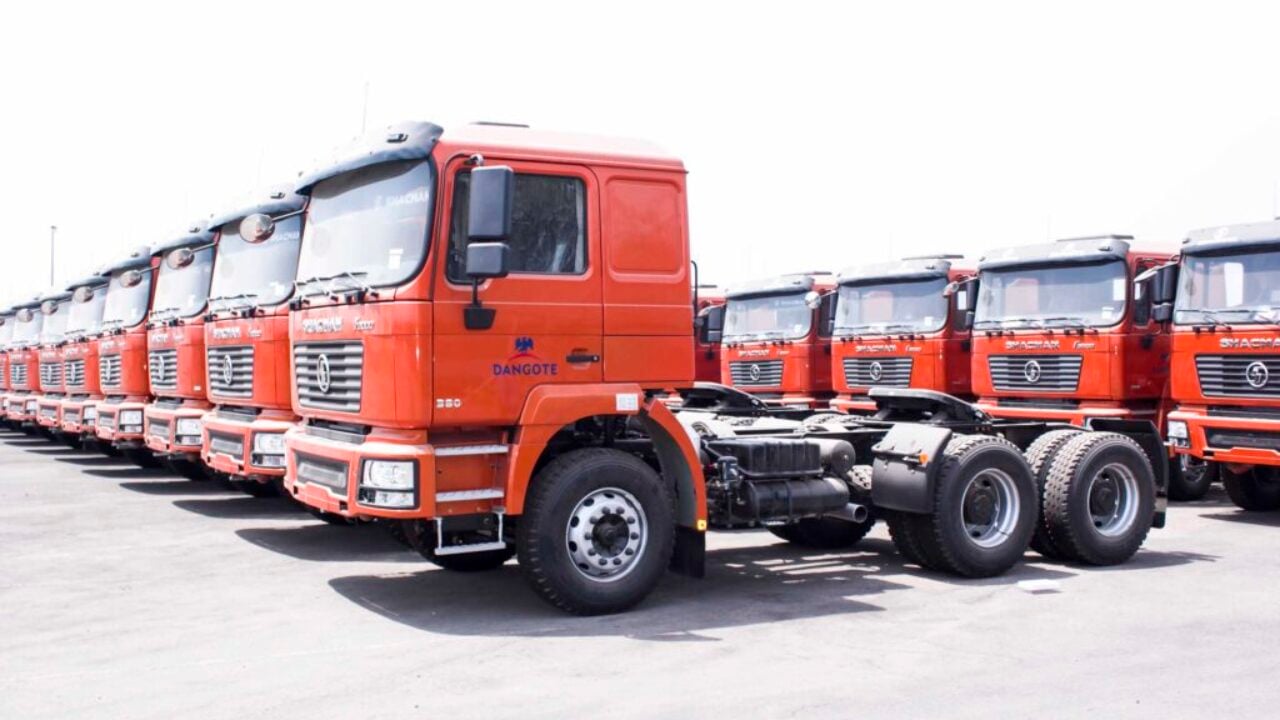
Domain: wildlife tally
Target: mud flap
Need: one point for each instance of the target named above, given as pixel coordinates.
(1145, 433)
(904, 470)
(690, 554)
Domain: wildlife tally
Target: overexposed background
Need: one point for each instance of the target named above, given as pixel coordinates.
(817, 135)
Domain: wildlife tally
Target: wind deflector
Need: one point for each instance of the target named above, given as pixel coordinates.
(405, 141)
(1063, 252)
(198, 234)
(1230, 238)
(771, 286)
(135, 260)
(280, 200)
(912, 269)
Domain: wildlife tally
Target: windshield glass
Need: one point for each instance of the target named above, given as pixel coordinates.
(6, 330)
(261, 274)
(55, 325)
(183, 292)
(771, 317)
(1057, 296)
(913, 305)
(126, 306)
(1239, 288)
(85, 318)
(27, 332)
(371, 223)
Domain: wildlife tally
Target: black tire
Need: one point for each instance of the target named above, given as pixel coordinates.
(1190, 478)
(1257, 490)
(1099, 474)
(831, 533)
(328, 517)
(255, 488)
(107, 448)
(1038, 456)
(903, 537)
(395, 529)
(141, 457)
(980, 474)
(191, 470)
(559, 495)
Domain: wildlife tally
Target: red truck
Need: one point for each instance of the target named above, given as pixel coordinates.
(56, 308)
(487, 321)
(176, 351)
(1223, 299)
(80, 359)
(901, 324)
(776, 343)
(708, 325)
(122, 355)
(24, 365)
(246, 337)
(7, 322)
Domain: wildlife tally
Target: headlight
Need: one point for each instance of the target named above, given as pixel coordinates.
(268, 443)
(189, 426)
(1177, 430)
(31, 406)
(387, 499)
(90, 413)
(130, 417)
(388, 475)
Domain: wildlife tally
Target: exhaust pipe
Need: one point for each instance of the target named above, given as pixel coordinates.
(853, 512)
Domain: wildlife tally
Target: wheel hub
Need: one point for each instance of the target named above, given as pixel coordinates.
(1113, 500)
(990, 508)
(606, 534)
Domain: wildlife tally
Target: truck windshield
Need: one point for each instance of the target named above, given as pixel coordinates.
(912, 305)
(184, 292)
(27, 331)
(367, 228)
(85, 318)
(55, 325)
(770, 317)
(126, 306)
(1091, 295)
(255, 274)
(6, 330)
(1239, 288)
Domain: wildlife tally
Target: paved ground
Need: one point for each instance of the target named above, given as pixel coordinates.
(129, 593)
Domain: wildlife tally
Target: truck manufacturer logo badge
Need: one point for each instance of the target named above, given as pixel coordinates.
(1031, 371)
(228, 370)
(876, 370)
(323, 376)
(322, 325)
(227, 333)
(754, 371)
(1257, 375)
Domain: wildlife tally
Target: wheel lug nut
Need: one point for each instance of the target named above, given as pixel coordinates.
(631, 521)
(591, 552)
(635, 536)
(603, 562)
(617, 561)
(630, 551)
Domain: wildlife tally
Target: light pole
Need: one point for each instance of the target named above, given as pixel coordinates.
(53, 234)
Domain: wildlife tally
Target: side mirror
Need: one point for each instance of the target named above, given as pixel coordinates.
(83, 294)
(490, 203)
(487, 260)
(257, 228)
(966, 294)
(179, 258)
(812, 300)
(130, 278)
(1162, 313)
(966, 320)
(1163, 281)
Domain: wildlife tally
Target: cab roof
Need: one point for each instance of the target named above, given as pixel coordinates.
(90, 281)
(56, 296)
(778, 284)
(139, 257)
(1067, 251)
(919, 268)
(1229, 238)
(197, 234)
(279, 200)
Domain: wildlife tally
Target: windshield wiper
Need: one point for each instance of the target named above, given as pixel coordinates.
(1268, 315)
(328, 291)
(1072, 320)
(229, 298)
(162, 314)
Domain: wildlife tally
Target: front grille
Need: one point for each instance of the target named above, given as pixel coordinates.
(1239, 375)
(18, 376)
(329, 375)
(1226, 439)
(1036, 373)
(109, 370)
(229, 445)
(162, 365)
(231, 371)
(50, 374)
(1265, 413)
(745, 373)
(106, 420)
(73, 371)
(1041, 403)
(878, 372)
(159, 429)
(328, 473)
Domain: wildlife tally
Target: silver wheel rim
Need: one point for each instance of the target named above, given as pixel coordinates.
(1113, 500)
(606, 534)
(990, 508)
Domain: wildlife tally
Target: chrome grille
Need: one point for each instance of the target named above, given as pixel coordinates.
(1035, 373)
(231, 371)
(1239, 375)
(109, 370)
(73, 371)
(229, 445)
(162, 365)
(18, 376)
(878, 372)
(328, 473)
(329, 375)
(159, 429)
(764, 373)
(50, 374)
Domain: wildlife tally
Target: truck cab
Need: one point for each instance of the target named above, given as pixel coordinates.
(901, 324)
(56, 309)
(1059, 336)
(7, 321)
(176, 350)
(1223, 301)
(80, 358)
(776, 344)
(24, 364)
(246, 337)
(708, 326)
(122, 355)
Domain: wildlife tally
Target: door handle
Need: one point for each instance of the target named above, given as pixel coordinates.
(572, 358)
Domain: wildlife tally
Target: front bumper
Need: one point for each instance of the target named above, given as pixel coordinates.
(162, 430)
(108, 426)
(49, 412)
(228, 446)
(341, 463)
(22, 408)
(1227, 439)
(74, 420)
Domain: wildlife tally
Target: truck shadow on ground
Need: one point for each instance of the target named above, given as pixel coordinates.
(163, 483)
(239, 505)
(95, 461)
(129, 471)
(1243, 517)
(321, 542)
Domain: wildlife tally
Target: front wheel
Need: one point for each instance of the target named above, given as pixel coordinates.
(1190, 478)
(141, 457)
(1256, 490)
(597, 532)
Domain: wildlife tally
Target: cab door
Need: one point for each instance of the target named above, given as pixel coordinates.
(548, 324)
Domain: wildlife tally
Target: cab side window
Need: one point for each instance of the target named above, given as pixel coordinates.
(548, 226)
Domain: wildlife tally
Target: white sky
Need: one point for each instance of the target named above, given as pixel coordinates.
(816, 135)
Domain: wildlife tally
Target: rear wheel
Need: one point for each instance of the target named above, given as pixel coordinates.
(1099, 498)
(1255, 490)
(1038, 456)
(1190, 478)
(597, 532)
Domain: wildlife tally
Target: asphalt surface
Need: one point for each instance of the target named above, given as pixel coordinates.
(127, 593)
